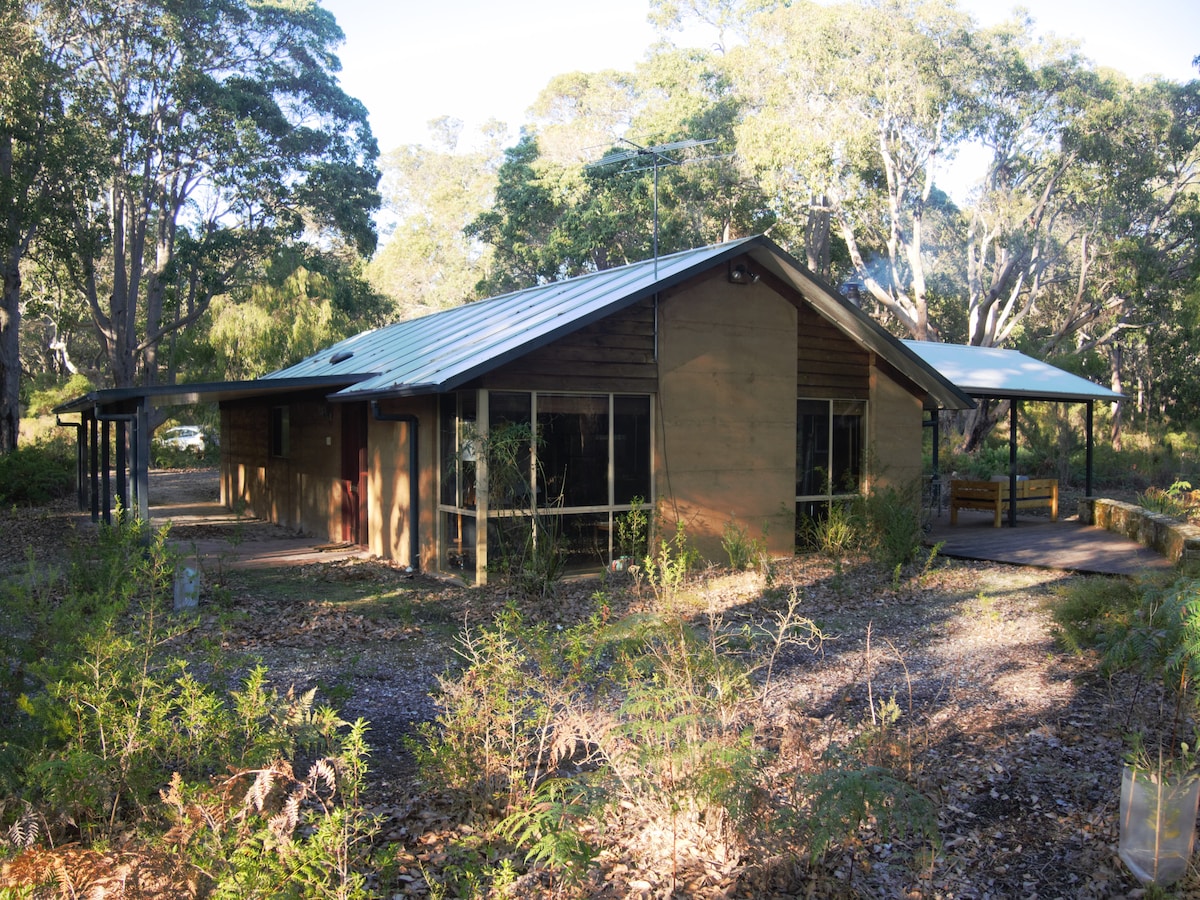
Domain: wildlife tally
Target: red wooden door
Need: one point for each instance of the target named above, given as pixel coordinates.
(354, 473)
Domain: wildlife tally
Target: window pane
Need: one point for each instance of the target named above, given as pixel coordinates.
(509, 440)
(812, 448)
(458, 435)
(280, 431)
(508, 543)
(584, 541)
(631, 448)
(572, 450)
(458, 551)
(447, 418)
(848, 446)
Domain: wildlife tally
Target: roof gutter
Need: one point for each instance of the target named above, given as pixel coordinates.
(414, 480)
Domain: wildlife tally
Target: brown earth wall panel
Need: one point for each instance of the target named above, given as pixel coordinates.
(727, 428)
(388, 481)
(895, 418)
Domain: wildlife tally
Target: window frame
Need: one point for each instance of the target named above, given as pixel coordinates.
(831, 492)
(451, 515)
(280, 436)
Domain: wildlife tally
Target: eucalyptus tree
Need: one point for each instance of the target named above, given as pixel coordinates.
(850, 109)
(227, 134)
(48, 157)
(558, 213)
(430, 195)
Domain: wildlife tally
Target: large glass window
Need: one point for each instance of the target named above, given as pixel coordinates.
(510, 445)
(572, 450)
(631, 449)
(586, 460)
(830, 453)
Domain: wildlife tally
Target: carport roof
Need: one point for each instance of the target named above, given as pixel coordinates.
(1006, 374)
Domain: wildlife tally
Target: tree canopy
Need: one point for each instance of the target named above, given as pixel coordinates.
(176, 173)
(215, 133)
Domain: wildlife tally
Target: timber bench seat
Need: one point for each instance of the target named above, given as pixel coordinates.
(994, 496)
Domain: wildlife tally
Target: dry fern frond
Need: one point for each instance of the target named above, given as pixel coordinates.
(283, 824)
(25, 831)
(256, 797)
(322, 772)
(299, 708)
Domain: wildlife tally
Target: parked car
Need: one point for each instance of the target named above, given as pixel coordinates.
(185, 437)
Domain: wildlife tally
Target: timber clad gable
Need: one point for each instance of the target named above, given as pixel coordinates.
(614, 355)
(828, 363)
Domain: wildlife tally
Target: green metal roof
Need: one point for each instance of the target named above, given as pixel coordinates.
(446, 349)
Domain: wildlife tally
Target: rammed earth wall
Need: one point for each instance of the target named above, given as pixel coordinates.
(1175, 540)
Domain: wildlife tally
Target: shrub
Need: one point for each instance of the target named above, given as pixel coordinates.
(643, 727)
(839, 532)
(42, 402)
(893, 524)
(262, 787)
(743, 551)
(35, 474)
(1175, 501)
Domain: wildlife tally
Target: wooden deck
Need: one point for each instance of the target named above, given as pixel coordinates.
(1036, 541)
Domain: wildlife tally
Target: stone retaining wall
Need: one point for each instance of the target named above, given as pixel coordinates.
(1175, 540)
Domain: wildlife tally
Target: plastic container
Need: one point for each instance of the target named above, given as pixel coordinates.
(187, 587)
(1158, 824)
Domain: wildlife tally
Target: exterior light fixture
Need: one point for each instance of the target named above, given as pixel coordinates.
(739, 274)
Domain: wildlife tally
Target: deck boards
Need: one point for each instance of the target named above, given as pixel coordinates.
(1036, 541)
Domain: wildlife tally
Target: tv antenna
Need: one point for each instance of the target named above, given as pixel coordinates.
(644, 158)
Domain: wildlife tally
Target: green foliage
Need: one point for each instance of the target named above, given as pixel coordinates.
(838, 532)
(34, 474)
(648, 718)
(894, 530)
(495, 719)
(633, 530)
(843, 798)
(549, 826)
(295, 311)
(1174, 501)
(743, 551)
(1148, 627)
(41, 402)
(271, 831)
(666, 568)
(105, 715)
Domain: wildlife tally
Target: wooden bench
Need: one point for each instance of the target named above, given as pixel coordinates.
(993, 496)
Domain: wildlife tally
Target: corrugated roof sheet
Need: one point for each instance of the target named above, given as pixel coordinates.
(446, 349)
(442, 350)
(1006, 374)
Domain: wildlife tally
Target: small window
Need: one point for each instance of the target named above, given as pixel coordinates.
(830, 448)
(280, 431)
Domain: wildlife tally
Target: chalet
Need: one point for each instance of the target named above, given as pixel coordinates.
(723, 384)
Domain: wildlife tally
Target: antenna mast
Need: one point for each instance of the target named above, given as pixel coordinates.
(649, 157)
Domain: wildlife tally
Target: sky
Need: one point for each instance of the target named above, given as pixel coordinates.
(411, 61)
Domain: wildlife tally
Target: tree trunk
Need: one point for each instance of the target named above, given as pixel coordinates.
(980, 422)
(1116, 358)
(10, 356)
(816, 236)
